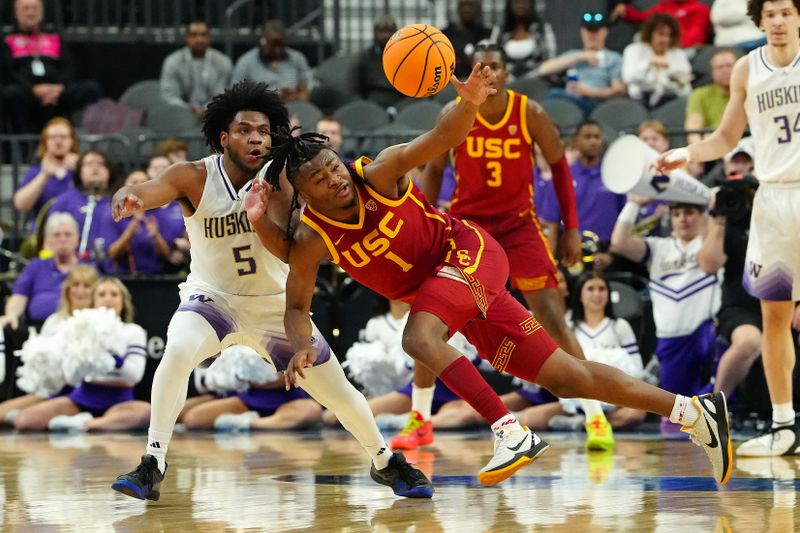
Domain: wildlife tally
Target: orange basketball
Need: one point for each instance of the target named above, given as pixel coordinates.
(418, 60)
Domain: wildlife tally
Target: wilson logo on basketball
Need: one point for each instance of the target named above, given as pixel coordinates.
(437, 80)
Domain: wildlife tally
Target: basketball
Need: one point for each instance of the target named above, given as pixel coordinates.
(418, 60)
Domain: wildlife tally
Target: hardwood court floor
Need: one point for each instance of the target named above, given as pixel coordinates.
(319, 481)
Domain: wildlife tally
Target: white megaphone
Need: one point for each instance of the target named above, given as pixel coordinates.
(627, 168)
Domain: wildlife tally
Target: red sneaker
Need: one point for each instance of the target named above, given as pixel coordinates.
(418, 432)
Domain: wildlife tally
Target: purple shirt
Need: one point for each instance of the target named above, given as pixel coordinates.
(598, 207)
(170, 222)
(40, 281)
(142, 257)
(103, 231)
(53, 188)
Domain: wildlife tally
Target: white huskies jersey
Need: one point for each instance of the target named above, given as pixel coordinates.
(683, 295)
(773, 111)
(612, 342)
(226, 254)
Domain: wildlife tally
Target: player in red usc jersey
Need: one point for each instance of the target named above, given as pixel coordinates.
(494, 169)
(376, 224)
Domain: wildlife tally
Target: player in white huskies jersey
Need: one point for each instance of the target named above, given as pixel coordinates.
(765, 92)
(235, 293)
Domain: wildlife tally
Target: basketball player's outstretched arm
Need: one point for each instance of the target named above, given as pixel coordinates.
(181, 180)
(304, 257)
(394, 162)
(727, 134)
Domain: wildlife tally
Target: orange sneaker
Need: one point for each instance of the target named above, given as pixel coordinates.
(418, 432)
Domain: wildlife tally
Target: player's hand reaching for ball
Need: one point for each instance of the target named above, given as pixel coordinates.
(478, 86)
(303, 358)
(256, 200)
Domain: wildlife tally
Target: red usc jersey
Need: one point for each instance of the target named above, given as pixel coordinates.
(394, 246)
(494, 165)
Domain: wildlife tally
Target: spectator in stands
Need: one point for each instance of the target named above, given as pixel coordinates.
(706, 104)
(594, 74)
(58, 154)
(284, 68)
(76, 293)
(103, 401)
(465, 33)
(39, 73)
(526, 39)
(737, 163)
(332, 129)
(739, 320)
(371, 82)
(597, 206)
(685, 298)
(173, 149)
(156, 165)
(734, 27)
(89, 204)
(140, 246)
(192, 75)
(657, 69)
(36, 292)
(693, 18)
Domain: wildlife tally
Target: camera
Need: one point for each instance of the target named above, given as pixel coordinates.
(734, 199)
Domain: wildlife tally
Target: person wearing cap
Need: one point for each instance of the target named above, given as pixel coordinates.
(597, 71)
(706, 104)
(738, 162)
(685, 298)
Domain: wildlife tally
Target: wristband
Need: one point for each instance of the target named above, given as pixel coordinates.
(679, 154)
(629, 213)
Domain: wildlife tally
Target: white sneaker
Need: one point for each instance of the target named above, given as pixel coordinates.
(776, 441)
(513, 449)
(710, 432)
(69, 423)
(235, 422)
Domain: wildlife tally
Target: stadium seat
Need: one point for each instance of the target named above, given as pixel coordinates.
(328, 98)
(419, 115)
(563, 113)
(447, 94)
(622, 114)
(534, 88)
(701, 62)
(362, 115)
(394, 133)
(170, 118)
(143, 95)
(672, 114)
(337, 72)
(307, 114)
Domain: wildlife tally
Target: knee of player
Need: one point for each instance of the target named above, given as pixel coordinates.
(27, 422)
(420, 344)
(568, 381)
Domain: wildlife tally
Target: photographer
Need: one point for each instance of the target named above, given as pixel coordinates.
(738, 162)
(739, 318)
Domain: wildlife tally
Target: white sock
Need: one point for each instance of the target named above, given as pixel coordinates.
(422, 400)
(11, 416)
(684, 411)
(591, 408)
(782, 414)
(157, 444)
(509, 422)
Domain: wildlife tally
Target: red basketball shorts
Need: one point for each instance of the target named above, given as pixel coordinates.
(531, 265)
(468, 294)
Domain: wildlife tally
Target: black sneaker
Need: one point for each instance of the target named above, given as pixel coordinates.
(144, 482)
(403, 478)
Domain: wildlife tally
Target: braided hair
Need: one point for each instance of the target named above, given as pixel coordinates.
(291, 152)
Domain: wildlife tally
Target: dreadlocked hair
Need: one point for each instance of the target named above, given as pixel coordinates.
(290, 152)
(243, 96)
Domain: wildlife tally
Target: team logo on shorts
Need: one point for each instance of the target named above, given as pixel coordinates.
(371, 205)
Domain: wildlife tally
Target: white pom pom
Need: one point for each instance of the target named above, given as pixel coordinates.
(250, 367)
(40, 373)
(379, 368)
(94, 337)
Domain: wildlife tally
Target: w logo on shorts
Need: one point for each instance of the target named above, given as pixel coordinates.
(754, 269)
(202, 298)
